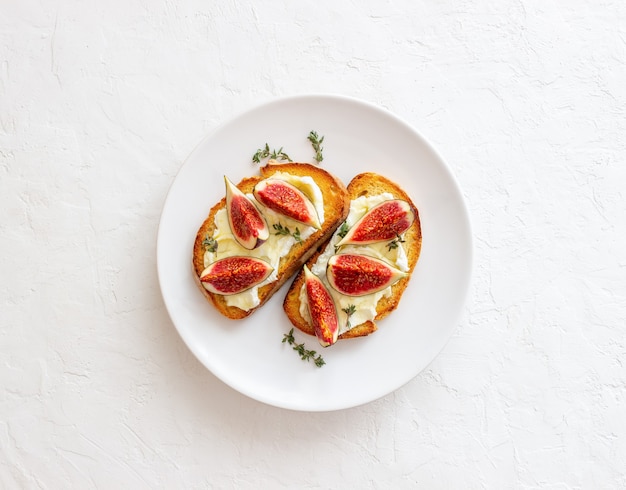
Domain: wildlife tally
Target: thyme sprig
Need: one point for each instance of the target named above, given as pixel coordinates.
(349, 311)
(209, 244)
(316, 142)
(343, 230)
(283, 230)
(395, 242)
(265, 152)
(305, 354)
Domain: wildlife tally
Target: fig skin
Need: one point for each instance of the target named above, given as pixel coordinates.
(383, 222)
(286, 199)
(236, 274)
(359, 275)
(247, 224)
(322, 309)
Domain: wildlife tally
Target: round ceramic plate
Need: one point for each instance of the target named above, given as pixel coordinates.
(248, 354)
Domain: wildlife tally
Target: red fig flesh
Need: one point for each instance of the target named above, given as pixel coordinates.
(288, 200)
(233, 275)
(358, 275)
(383, 222)
(246, 222)
(322, 309)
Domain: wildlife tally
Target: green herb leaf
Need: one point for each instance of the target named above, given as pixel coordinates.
(209, 244)
(343, 231)
(280, 155)
(305, 354)
(319, 361)
(261, 153)
(265, 152)
(316, 142)
(395, 242)
(349, 311)
(288, 337)
(283, 230)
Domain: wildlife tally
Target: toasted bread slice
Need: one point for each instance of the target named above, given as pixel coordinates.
(365, 184)
(336, 207)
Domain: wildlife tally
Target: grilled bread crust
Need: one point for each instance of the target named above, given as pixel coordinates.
(365, 184)
(336, 207)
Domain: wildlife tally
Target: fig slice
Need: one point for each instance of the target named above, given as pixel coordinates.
(383, 222)
(358, 275)
(322, 309)
(288, 200)
(246, 222)
(236, 274)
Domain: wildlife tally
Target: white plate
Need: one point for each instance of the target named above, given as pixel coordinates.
(248, 354)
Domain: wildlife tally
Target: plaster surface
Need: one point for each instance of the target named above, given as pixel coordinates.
(100, 103)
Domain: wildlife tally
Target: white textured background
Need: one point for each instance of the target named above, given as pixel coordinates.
(100, 103)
